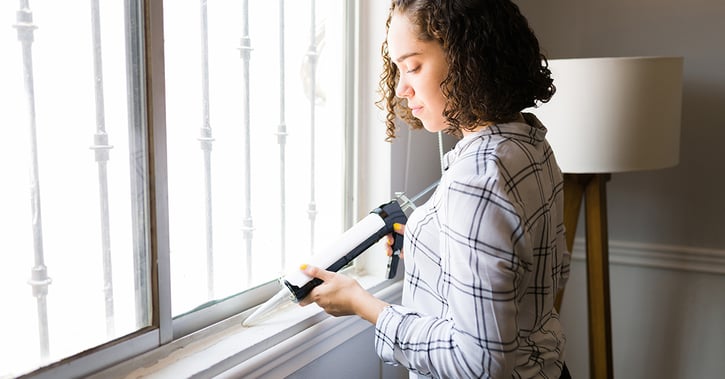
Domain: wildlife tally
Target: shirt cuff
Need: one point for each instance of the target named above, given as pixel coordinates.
(387, 328)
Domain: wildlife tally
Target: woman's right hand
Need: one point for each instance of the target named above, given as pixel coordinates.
(398, 229)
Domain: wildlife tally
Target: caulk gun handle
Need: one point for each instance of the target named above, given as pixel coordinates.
(395, 257)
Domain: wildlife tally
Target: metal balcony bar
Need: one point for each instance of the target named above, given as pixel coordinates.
(312, 59)
(247, 223)
(282, 141)
(39, 279)
(206, 140)
(101, 148)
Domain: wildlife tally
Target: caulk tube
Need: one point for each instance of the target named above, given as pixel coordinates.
(349, 245)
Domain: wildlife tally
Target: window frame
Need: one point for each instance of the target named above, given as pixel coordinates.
(192, 321)
(171, 328)
(165, 332)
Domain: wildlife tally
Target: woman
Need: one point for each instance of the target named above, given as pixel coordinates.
(485, 256)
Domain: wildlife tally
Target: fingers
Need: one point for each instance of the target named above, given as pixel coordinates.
(329, 294)
(316, 272)
(336, 296)
(306, 301)
(399, 228)
(390, 239)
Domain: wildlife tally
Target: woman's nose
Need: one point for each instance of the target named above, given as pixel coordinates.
(403, 89)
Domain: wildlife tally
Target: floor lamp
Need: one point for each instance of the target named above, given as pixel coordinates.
(608, 115)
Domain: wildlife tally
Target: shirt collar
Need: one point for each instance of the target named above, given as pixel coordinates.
(532, 131)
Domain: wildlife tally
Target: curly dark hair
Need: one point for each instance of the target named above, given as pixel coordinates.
(495, 65)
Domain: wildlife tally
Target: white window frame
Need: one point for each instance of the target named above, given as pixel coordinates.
(219, 325)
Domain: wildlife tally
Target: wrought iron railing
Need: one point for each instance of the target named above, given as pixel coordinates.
(206, 140)
(102, 149)
(39, 279)
(245, 49)
(282, 141)
(312, 56)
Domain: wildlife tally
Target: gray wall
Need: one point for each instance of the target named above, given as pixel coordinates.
(354, 359)
(683, 205)
(666, 227)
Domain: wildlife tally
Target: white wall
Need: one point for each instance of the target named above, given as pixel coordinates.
(666, 227)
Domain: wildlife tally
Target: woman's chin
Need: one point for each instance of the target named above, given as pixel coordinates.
(433, 127)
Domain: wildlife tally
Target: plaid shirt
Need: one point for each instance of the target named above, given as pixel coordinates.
(484, 258)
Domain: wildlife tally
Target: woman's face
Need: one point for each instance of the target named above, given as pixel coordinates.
(422, 66)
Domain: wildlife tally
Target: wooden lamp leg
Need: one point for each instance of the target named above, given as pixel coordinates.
(573, 195)
(600, 327)
(592, 187)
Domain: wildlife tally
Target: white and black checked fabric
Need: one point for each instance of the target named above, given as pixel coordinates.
(484, 258)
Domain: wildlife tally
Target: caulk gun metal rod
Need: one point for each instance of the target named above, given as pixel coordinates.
(425, 191)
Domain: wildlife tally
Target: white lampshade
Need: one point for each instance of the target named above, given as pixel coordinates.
(614, 114)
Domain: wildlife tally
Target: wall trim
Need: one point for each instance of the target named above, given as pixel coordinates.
(671, 257)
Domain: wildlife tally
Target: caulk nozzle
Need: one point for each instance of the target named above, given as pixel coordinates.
(278, 301)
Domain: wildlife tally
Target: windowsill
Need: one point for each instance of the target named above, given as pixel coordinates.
(274, 343)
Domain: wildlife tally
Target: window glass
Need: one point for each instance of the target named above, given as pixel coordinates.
(255, 104)
(257, 163)
(73, 268)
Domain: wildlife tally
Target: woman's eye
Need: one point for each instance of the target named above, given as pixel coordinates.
(414, 69)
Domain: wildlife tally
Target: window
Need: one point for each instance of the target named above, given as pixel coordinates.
(255, 129)
(235, 161)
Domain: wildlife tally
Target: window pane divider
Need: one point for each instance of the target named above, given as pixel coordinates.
(139, 165)
(158, 193)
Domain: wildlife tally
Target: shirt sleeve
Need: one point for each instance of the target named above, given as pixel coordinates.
(482, 234)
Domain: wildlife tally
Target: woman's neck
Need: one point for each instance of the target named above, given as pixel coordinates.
(485, 124)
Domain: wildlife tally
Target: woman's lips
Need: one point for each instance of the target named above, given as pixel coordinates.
(416, 110)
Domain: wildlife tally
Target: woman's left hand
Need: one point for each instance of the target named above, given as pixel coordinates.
(340, 295)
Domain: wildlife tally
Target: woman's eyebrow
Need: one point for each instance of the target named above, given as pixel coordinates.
(406, 56)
